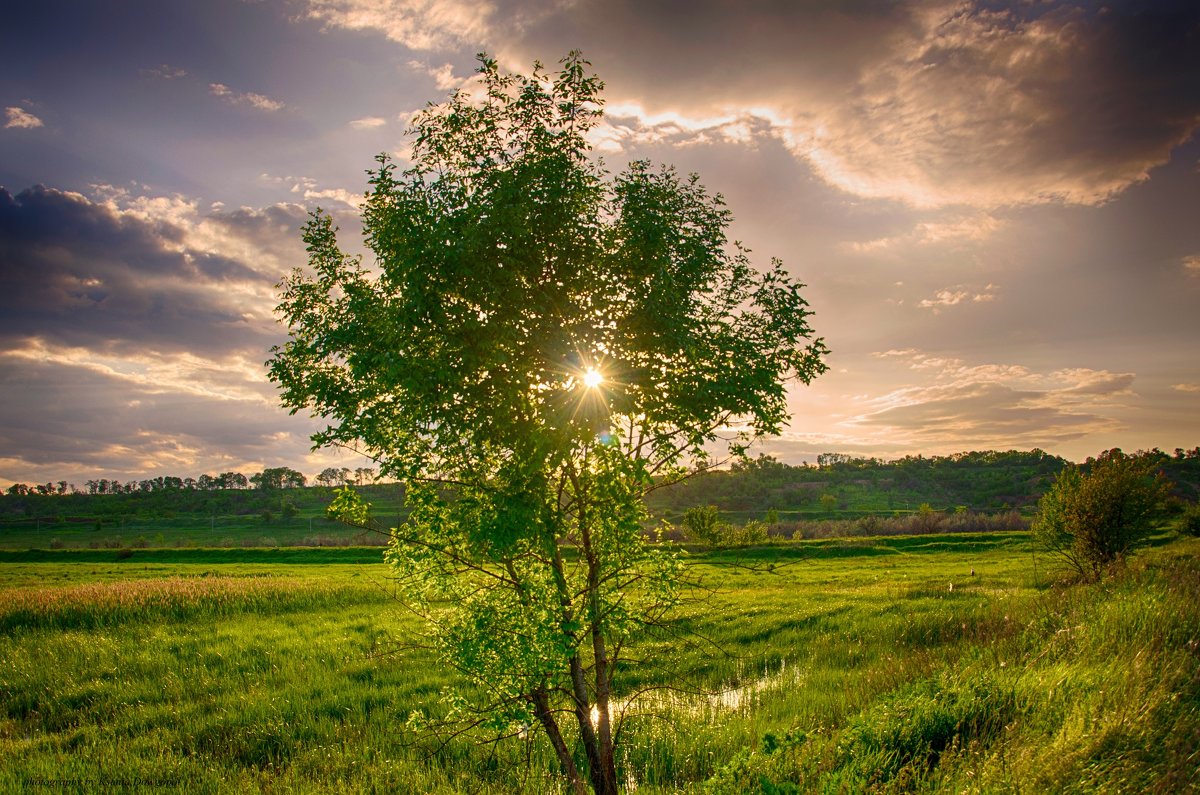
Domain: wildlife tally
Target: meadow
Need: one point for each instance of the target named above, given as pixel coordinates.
(938, 663)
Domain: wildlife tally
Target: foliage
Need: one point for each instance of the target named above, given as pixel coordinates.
(278, 478)
(1190, 522)
(702, 524)
(540, 342)
(985, 481)
(1093, 517)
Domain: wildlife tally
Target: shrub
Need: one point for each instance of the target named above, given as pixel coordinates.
(1093, 518)
(752, 532)
(1190, 523)
(703, 525)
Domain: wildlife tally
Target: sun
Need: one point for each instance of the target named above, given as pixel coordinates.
(592, 378)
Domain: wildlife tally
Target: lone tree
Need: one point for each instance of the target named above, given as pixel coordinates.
(538, 344)
(1093, 517)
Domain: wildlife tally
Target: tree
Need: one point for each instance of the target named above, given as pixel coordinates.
(278, 478)
(1092, 517)
(331, 476)
(232, 480)
(538, 345)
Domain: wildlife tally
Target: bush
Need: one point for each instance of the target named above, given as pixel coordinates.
(703, 525)
(1190, 523)
(1093, 518)
(752, 532)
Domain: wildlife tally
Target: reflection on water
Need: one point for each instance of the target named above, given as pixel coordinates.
(751, 687)
(733, 697)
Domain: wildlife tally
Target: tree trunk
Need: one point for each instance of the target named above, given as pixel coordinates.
(583, 716)
(604, 775)
(541, 704)
(581, 703)
(603, 770)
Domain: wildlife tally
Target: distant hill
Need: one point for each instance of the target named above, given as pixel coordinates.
(838, 487)
(844, 486)
(841, 485)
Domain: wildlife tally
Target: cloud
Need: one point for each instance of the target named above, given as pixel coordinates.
(1040, 102)
(20, 119)
(443, 76)
(931, 102)
(629, 125)
(1186, 387)
(956, 229)
(133, 331)
(1191, 264)
(997, 406)
(253, 100)
(69, 416)
(131, 274)
(164, 72)
(310, 190)
(952, 296)
(368, 123)
(417, 24)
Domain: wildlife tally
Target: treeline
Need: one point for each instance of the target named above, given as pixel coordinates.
(269, 478)
(837, 487)
(844, 486)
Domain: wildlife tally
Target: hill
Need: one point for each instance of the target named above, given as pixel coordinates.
(839, 489)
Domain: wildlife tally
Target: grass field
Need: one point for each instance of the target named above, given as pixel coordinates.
(835, 666)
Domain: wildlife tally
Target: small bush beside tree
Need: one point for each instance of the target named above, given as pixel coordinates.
(1093, 516)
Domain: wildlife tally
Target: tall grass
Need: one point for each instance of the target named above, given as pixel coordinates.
(107, 604)
(1082, 688)
(882, 665)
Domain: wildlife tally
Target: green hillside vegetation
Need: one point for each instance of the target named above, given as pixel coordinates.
(837, 496)
(188, 517)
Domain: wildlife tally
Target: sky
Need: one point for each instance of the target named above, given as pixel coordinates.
(995, 206)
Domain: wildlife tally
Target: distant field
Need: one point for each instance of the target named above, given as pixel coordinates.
(229, 531)
(844, 665)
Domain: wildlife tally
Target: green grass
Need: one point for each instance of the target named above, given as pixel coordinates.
(193, 531)
(836, 666)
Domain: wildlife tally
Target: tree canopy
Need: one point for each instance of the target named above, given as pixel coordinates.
(537, 343)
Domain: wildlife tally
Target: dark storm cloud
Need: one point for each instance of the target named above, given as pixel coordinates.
(78, 273)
